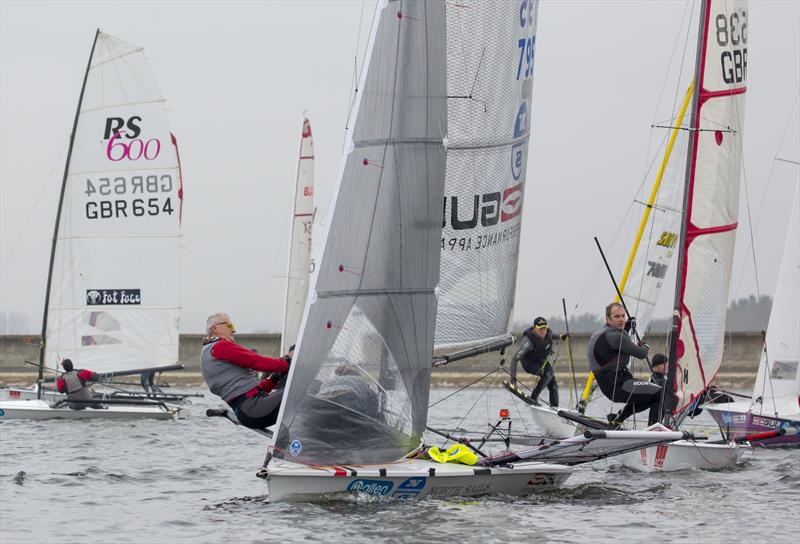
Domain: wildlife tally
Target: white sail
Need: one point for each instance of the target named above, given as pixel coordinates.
(713, 196)
(300, 264)
(358, 387)
(490, 62)
(656, 250)
(778, 380)
(114, 300)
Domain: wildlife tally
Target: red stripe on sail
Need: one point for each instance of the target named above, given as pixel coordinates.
(180, 179)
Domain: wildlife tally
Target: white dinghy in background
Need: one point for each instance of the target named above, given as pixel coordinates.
(112, 300)
(706, 241)
(775, 405)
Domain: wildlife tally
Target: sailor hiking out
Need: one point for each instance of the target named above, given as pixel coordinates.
(535, 352)
(228, 370)
(75, 383)
(609, 352)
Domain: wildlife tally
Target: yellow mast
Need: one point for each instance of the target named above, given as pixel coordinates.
(673, 136)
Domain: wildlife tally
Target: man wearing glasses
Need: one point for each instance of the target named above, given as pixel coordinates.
(228, 370)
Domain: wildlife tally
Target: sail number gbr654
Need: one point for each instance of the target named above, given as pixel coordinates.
(120, 197)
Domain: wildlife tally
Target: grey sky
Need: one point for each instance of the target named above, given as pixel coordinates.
(238, 76)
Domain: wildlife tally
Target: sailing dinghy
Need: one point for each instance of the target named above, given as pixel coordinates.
(775, 408)
(712, 141)
(707, 236)
(111, 303)
(354, 412)
(300, 264)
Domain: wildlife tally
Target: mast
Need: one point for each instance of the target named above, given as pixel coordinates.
(58, 221)
(668, 402)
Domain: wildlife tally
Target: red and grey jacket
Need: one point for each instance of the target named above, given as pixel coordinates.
(228, 369)
(73, 383)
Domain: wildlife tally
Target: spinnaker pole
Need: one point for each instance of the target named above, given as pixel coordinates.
(43, 343)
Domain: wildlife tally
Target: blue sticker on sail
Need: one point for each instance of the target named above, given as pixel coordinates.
(410, 488)
(2, 412)
(295, 448)
(378, 488)
(518, 150)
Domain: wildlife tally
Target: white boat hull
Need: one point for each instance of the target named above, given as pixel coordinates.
(684, 455)
(409, 479)
(28, 393)
(39, 409)
(548, 420)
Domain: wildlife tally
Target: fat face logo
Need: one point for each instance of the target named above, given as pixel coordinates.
(518, 150)
(489, 208)
(113, 297)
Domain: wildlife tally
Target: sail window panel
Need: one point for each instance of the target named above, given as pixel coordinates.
(119, 75)
(725, 65)
(364, 398)
(705, 300)
(715, 200)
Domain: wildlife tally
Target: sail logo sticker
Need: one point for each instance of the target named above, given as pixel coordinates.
(376, 488)
(518, 150)
(410, 488)
(512, 203)
(135, 148)
(113, 297)
(295, 448)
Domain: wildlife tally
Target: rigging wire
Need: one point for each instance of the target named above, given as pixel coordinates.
(48, 181)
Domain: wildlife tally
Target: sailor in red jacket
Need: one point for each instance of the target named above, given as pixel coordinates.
(75, 384)
(228, 370)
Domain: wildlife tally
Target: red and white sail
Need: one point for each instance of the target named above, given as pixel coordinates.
(300, 264)
(713, 196)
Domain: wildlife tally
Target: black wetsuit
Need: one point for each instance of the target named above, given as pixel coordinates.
(609, 352)
(534, 352)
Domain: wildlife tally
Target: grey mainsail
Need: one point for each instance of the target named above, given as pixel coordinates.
(358, 387)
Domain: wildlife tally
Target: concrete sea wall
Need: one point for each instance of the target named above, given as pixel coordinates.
(740, 360)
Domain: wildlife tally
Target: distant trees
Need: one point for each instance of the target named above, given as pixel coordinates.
(748, 314)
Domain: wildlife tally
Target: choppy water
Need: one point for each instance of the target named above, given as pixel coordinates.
(194, 481)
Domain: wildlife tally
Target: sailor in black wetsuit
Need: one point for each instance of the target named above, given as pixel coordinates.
(534, 353)
(609, 352)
